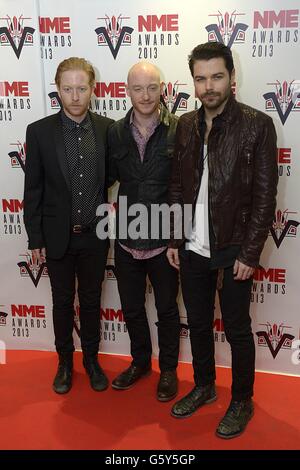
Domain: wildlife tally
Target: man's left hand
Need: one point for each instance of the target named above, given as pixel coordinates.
(241, 271)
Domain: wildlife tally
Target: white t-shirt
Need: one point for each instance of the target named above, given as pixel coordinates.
(199, 238)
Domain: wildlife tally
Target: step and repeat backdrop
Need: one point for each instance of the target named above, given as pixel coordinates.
(35, 35)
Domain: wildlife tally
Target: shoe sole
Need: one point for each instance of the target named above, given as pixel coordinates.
(100, 389)
(207, 402)
(165, 399)
(223, 436)
(95, 389)
(117, 387)
(60, 392)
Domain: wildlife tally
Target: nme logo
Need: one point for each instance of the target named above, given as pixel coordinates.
(12, 205)
(112, 323)
(227, 31)
(270, 281)
(113, 89)
(271, 29)
(109, 97)
(284, 156)
(15, 34)
(184, 327)
(19, 89)
(284, 161)
(285, 99)
(283, 226)
(274, 338)
(33, 311)
(55, 101)
(184, 330)
(58, 25)
(111, 314)
(32, 270)
(113, 34)
(156, 32)
(3, 316)
(271, 275)
(152, 23)
(13, 96)
(12, 216)
(54, 33)
(18, 156)
(110, 270)
(271, 19)
(218, 325)
(173, 99)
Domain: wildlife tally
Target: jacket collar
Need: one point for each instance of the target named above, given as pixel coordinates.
(228, 114)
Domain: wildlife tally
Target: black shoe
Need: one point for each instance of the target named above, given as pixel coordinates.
(167, 387)
(236, 419)
(98, 379)
(129, 376)
(200, 395)
(63, 380)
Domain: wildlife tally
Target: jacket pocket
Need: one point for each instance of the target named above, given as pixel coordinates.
(119, 154)
(247, 166)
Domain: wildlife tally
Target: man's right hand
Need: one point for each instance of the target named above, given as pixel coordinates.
(39, 255)
(172, 255)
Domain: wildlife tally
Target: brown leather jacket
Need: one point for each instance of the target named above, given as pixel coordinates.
(243, 175)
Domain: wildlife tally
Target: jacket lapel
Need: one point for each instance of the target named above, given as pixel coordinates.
(60, 150)
(100, 138)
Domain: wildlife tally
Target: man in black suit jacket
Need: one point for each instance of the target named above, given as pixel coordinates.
(64, 184)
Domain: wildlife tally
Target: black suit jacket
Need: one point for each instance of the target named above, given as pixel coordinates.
(47, 192)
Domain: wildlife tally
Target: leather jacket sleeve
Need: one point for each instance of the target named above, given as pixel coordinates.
(265, 179)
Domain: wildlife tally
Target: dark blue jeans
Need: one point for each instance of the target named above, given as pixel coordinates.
(131, 276)
(198, 283)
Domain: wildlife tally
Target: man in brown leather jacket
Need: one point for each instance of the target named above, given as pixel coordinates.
(225, 168)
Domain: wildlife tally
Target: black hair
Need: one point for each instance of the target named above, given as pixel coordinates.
(211, 50)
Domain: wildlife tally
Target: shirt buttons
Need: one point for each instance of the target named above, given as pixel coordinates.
(81, 175)
(80, 194)
(79, 211)
(81, 157)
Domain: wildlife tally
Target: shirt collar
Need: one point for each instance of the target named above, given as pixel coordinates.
(152, 124)
(70, 124)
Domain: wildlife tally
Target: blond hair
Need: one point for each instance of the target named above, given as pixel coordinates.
(75, 63)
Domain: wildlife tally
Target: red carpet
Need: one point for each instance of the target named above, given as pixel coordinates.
(34, 417)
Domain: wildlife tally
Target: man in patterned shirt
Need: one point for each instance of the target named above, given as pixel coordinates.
(140, 152)
(64, 184)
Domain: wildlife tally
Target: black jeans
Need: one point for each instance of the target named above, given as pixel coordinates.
(198, 283)
(131, 276)
(85, 259)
